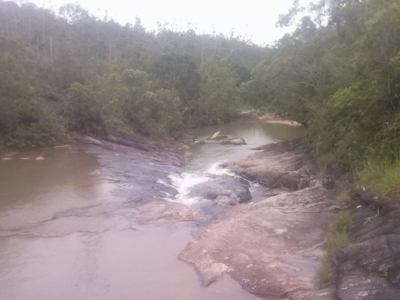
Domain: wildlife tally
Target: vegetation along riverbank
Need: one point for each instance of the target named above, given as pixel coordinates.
(70, 73)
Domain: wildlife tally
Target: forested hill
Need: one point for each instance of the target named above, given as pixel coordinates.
(338, 74)
(69, 71)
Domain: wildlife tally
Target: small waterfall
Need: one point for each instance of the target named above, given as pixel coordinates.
(184, 182)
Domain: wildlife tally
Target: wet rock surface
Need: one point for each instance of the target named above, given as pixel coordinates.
(279, 166)
(370, 267)
(234, 188)
(115, 226)
(272, 247)
(166, 152)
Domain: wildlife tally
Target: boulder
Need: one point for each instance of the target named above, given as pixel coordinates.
(224, 200)
(224, 185)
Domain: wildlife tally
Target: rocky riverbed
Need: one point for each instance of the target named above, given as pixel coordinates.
(269, 244)
(272, 246)
(259, 218)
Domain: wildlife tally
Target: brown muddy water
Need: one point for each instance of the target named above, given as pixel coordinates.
(65, 232)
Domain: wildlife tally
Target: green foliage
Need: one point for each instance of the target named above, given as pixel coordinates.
(177, 71)
(339, 78)
(346, 197)
(123, 104)
(337, 240)
(356, 96)
(382, 175)
(26, 119)
(84, 110)
(72, 71)
(219, 97)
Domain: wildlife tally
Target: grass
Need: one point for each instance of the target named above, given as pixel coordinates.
(382, 175)
(345, 197)
(338, 239)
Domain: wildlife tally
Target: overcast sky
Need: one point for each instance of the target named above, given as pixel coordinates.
(253, 19)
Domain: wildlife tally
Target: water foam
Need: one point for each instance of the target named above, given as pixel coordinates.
(184, 182)
(216, 169)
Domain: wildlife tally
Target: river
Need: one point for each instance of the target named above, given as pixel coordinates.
(66, 231)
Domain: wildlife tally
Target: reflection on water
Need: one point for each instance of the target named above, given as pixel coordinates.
(32, 190)
(63, 234)
(123, 265)
(251, 130)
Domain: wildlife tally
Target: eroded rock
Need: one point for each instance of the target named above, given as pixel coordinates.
(268, 247)
(224, 185)
(370, 267)
(279, 165)
(364, 287)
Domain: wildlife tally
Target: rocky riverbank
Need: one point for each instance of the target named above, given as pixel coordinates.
(270, 241)
(369, 269)
(272, 246)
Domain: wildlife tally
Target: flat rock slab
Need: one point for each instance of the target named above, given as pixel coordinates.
(271, 248)
(166, 212)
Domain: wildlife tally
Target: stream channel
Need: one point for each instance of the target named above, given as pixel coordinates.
(67, 232)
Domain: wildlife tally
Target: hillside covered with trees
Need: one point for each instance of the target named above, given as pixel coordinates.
(68, 71)
(338, 74)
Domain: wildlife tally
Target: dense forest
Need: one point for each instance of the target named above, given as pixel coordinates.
(68, 71)
(338, 74)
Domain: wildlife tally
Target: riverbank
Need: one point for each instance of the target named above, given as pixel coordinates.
(273, 245)
(268, 118)
(370, 267)
(261, 220)
(93, 223)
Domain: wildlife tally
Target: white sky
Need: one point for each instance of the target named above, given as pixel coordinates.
(253, 19)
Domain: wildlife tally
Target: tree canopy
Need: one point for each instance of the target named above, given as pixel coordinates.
(69, 71)
(338, 74)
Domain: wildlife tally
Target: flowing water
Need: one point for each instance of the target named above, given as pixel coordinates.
(65, 232)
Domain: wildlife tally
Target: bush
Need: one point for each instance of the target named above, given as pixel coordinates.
(27, 120)
(382, 175)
